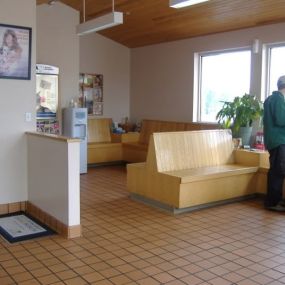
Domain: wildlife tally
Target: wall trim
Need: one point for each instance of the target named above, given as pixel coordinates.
(13, 207)
(47, 219)
(68, 232)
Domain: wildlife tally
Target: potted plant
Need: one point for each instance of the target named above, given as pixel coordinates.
(240, 114)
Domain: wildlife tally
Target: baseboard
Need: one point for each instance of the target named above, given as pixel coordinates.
(111, 163)
(68, 232)
(175, 211)
(13, 207)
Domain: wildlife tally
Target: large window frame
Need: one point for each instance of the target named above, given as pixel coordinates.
(267, 78)
(197, 90)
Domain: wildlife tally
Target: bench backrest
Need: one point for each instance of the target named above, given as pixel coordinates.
(190, 149)
(155, 126)
(99, 130)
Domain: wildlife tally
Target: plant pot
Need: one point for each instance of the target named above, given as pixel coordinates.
(245, 133)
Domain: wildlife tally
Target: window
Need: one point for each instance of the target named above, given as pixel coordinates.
(276, 67)
(222, 76)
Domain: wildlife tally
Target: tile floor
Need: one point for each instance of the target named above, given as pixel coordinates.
(129, 243)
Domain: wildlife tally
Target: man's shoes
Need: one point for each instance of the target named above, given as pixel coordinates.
(280, 207)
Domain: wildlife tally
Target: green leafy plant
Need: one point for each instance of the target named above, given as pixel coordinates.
(240, 113)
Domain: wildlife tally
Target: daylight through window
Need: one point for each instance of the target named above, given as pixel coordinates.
(276, 67)
(223, 76)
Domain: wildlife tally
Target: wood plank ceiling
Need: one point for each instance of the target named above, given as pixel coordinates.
(149, 22)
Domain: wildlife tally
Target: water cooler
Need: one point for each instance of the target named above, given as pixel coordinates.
(75, 126)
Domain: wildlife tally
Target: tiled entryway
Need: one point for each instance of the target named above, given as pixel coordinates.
(126, 242)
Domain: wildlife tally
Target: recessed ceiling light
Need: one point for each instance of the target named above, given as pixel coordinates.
(184, 3)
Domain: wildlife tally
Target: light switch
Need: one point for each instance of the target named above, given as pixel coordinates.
(28, 117)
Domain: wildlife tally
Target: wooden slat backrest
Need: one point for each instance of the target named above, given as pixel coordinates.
(99, 130)
(155, 126)
(192, 149)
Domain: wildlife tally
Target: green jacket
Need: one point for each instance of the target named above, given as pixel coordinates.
(274, 120)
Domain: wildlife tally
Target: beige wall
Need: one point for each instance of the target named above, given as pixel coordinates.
(17, 97)
(58, 44)
(162, 75)
(103, 56)
(59, 195)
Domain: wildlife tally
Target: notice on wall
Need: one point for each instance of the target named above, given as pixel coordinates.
(91, 93)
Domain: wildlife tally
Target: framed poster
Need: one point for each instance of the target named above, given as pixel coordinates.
(98, 109)
(91, 93)
(15, 52)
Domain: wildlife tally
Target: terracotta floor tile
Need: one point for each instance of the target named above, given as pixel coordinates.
(75, 281)
(83, 270)
(249, 282)
(41, 272)
(110, 272)
(262, 279)
(7, 281)
(219, 281)
(102, 282)
(192, 280)
(22, 276)
(92, 277)
(148, 281)
(136, 275)
(127, 242)
(120, 280)
(175, 282)
(205, 275)
(34, 282)
(67, 274)
(178, 273)
(233, 277)
(163, 277)
(48, 279)
(151, 270)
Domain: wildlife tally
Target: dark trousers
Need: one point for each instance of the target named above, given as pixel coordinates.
(275, 176)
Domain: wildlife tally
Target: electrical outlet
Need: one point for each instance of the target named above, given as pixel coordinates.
(28, 117)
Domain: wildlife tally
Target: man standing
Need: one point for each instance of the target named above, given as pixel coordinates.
(274, 137)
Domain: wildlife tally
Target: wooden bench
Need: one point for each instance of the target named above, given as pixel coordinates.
(186, 170)
(137, 151)
(101, 149)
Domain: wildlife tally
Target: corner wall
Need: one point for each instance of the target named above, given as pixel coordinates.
(99, 55)
(58, 45)
(162, 75)
(17, 98)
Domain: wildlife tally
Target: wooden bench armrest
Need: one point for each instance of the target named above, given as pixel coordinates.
(252, 158)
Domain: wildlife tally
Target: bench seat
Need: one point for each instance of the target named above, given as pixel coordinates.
(101, 149)
(186, 170)
(136, 145)
(137, 151)
(210, 172)
(104, 152)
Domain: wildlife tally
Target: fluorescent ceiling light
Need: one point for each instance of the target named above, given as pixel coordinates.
(100, 23)
(184, 3)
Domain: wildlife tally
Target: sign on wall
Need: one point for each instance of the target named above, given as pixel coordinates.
(15, 52)
(91, 93)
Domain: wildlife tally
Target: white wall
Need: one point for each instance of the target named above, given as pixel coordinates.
(53, 177)
(103, 56)
(58, 44)
(162, 75)
(17, 97)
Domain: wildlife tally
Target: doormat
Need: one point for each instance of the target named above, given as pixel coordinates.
(20, 226)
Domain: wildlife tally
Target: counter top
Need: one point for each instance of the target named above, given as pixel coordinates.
(54, 137)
